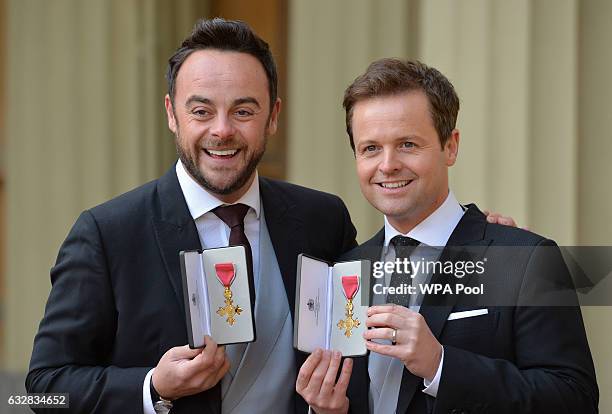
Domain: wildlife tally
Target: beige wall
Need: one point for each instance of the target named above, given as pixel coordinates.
(2, 172)
(86, 122)
(594, 150)
(533, 78)
(330, 43)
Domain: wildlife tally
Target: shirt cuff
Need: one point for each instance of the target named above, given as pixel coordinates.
(431, 387)
(147, 403)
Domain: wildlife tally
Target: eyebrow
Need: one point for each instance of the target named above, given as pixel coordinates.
(366, 143)
(246, 99)
(371, 141)
(200, 99)
(412, 137)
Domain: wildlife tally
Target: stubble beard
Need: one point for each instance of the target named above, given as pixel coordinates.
(191, 165)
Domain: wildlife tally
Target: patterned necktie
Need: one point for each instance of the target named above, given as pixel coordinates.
(404, 246)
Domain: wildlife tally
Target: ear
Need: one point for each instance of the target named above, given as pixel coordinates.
(273, 124)
(172, 124)
(451, 148)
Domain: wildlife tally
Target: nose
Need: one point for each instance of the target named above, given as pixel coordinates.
(390, 162)
(222, 127)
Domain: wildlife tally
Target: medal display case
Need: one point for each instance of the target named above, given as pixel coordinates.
(330, 309)
(217, 290)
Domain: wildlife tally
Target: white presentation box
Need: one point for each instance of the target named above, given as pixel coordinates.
(324, 318)
(217, 292)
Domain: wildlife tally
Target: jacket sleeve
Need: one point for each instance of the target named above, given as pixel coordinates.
(349, 233)
(74, 345)
(552, 371)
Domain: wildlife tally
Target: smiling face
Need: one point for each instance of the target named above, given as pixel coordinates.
(221, 119)
(402, 169)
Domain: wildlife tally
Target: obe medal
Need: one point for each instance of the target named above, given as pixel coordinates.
(226, 273)
(350, 286)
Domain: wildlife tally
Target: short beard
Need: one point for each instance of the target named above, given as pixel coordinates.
(190, 165)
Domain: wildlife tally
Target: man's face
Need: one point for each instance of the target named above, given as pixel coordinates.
(402, 170)
(221, 118)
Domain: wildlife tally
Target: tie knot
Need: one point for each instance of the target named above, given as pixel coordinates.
(232, 215)
(403, 241)
(404, 245)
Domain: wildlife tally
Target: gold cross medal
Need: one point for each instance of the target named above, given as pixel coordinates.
(350, 286)
(226, 273)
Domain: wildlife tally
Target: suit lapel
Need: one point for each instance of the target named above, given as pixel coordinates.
(370, 250)
(174, 228)
(462, 246)
(287, 234)
(436, 308)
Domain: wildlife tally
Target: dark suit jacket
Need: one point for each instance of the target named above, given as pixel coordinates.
(116, 302)
(515, 359)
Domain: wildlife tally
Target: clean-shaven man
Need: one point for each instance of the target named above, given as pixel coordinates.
(447, 353)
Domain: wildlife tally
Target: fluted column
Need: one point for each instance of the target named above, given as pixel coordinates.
(515, 67)
(594, 150)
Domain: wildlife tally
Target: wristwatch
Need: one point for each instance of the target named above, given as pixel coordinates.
(160, 404)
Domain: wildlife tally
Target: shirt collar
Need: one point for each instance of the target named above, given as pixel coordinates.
(436, 229)
(199, 201)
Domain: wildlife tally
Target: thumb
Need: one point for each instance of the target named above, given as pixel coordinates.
(184, 352)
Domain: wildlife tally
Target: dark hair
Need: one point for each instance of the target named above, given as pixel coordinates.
(392, 76)
(221, 34)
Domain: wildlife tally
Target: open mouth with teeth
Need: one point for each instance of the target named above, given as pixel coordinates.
(226, 153)
(395, 184)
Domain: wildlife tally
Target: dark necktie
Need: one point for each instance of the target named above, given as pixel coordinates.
(233, 216)
(404, 246)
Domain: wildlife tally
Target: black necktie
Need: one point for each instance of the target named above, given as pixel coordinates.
(404, 246)
(233, 216)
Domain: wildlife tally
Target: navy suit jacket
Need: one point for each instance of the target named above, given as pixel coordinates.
(116, 303)
(514, 359)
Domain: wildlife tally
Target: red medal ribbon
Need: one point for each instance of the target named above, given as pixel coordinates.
(226, 272)
(350, 284)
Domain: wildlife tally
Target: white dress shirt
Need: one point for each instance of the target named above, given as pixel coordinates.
(213, 232)
(386, 372)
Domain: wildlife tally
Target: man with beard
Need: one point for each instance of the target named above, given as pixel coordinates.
(114, 334)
